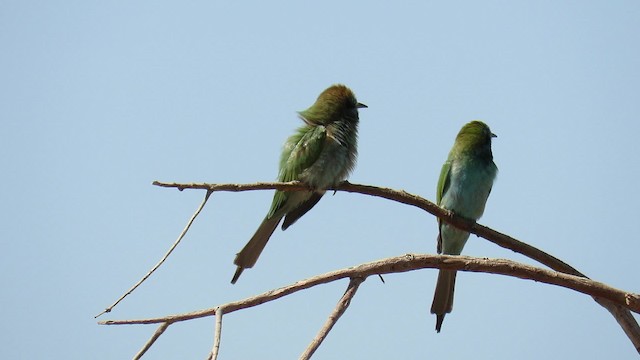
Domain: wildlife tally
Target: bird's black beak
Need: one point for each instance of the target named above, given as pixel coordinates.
(493, 135)
(360, 106)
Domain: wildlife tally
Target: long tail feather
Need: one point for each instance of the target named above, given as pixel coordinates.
(443, 296)
(250, 253)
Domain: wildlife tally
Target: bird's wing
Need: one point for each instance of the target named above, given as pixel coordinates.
(295, 214)
(443, 185)
(300, 152)
(443, 181)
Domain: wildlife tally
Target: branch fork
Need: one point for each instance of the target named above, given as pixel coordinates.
(617, 302)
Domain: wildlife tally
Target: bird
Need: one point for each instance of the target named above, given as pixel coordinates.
(320, 154)
(463, 187)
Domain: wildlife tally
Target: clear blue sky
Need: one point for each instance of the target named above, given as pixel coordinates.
(99, 99)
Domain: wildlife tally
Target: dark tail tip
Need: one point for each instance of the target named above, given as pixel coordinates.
(237, 274)
(439, 320)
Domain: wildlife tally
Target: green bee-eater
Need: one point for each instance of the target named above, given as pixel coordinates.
(320, 154)
(464, 185)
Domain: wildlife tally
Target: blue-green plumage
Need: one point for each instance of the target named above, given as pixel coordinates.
(464, 185)
(320, 154)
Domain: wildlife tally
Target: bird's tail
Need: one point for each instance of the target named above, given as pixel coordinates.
(443, 296)
(249, 254)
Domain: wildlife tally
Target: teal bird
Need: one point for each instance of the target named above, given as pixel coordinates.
(464, 185)
(320, 154)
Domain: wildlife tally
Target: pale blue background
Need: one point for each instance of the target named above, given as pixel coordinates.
(99, 99)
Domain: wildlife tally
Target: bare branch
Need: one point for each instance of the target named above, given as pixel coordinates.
(213, 355)
(166, 255)
(287, 186)
(403, 197)
(623, 316)
(341, 307)
(411, 262)
(153, 339)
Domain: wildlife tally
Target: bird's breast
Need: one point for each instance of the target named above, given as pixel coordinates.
(470, 185)
(332, 166)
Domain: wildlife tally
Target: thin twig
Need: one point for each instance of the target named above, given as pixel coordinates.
(153, 339)
(623, 316)
(213, 355)
(411, 262)
(156, 266)
(340, 308)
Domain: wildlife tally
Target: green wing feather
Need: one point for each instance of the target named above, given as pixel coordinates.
(443, 184)
(300, 152)
(443, 181)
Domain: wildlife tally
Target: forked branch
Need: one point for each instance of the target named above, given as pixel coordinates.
(397, 264)
(619, 303)
(622, 315)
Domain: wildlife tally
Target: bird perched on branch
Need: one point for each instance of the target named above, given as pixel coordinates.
(464, 185)
(320, 154)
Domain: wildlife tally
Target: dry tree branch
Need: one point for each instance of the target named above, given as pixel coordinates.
(166, 255)
(398, 264)
(153, 339)
(341, 307)
(411, 262)
(623, 316)
(213, 355)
